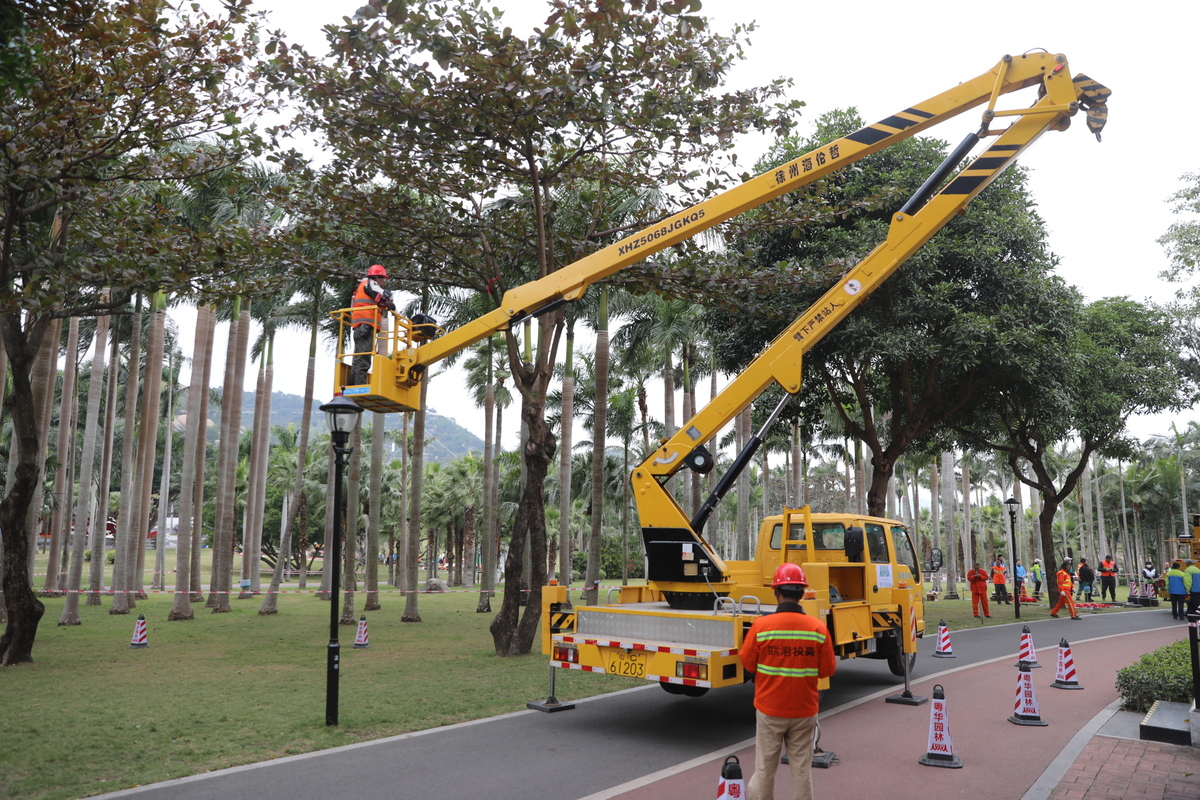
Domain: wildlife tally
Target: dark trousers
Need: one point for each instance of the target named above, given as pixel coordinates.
(1178, 606)
(1193, 601)
(364, 343)
(1002, 593)
(1037, 589)
(1108, 583)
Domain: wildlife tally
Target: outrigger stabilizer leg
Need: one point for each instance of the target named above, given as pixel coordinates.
(551, 703)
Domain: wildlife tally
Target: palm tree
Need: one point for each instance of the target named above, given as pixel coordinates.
(83, 508)
(194, 439)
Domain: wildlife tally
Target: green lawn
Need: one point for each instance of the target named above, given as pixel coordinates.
(92, 715)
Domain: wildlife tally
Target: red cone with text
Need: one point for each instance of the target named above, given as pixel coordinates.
(1025, 711)
(139, 633)
(731, 786)
(940, 750)
(1028, 654)
(361, 641)
(943, 642)
(1064, 674)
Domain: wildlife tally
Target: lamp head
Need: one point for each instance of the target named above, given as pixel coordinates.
(341, 414)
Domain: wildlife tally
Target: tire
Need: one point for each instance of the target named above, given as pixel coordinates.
(686, 691)
(672, 688)
(896, 662)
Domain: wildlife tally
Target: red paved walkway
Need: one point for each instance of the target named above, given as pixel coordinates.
(878, 744)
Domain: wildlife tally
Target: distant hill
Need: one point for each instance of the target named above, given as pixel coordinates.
(450, 440)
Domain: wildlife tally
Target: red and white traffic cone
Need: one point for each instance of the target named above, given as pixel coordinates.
(731, 786)
(1064, 673)
(1028, 654)
(361, 640)
(943, 642)
(1025, 711)
(940, 750)
(139, 633)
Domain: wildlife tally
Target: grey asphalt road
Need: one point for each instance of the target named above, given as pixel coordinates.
(603, 742)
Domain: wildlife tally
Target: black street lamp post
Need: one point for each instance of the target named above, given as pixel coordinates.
(342, 416)
(1017, 587)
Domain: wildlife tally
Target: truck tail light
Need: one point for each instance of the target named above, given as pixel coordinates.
(688, 669)
(564, 653)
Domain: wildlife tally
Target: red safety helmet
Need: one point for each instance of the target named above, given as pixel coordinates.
(789, 575)
(377, 271)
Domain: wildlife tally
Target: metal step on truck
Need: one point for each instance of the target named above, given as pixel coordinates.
(864, 584)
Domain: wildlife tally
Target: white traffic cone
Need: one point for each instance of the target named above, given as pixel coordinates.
(731, 786)
(943, 642)
(1064, 673)
(940, 750)
(1028, 654)
(361, 641)
(139, 633)
(1025, 711)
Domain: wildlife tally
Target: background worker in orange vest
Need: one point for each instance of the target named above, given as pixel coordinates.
(1108, 578)
(1066, 587)
(999, 580)
(978, 580)
(367, 306)
(787, 652)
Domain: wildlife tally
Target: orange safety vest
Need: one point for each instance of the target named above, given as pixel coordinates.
(366, 310)
(788, 652)
(998, 574)
(1107, 569)
(1065, 583)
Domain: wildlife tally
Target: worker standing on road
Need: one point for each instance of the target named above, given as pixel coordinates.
(1065, 586)
(978, 580)
(1179, 585)
(368, 304)
(1000, 581)
(1193, 570)
(1108, 578)
(1038, 577)
(787, 652)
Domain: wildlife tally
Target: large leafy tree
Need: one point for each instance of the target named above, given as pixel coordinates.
(932, 336)
(1111, 359)
(448, 134)
(107, 89)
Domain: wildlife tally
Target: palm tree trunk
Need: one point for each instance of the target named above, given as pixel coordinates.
(564, 460)
(122, 600)
(194, 439)
(599, 440)
(742, 425)
(948, 533)
(164, 490)
(416, 463)
(60, 521)
(231, 410)
(375, 493)
(487, 544)
(253, 476)
(197, 594)
(70, 612)
(149, 436)
(96, 578)
(350, 526)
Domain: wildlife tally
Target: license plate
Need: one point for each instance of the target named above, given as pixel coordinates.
(632, 665)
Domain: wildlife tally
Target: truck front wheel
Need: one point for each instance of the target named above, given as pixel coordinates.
(896, 662)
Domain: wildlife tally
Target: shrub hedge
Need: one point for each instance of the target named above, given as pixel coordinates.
(1165, 674)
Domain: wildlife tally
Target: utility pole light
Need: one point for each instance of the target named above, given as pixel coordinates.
(1012, 519)
(342, 416)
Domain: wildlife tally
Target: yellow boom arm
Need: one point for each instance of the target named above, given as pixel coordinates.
(399, 367)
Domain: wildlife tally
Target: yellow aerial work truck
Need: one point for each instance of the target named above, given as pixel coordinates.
(864, 582)
(684, 628)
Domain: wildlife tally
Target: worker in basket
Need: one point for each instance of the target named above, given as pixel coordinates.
(367, 306)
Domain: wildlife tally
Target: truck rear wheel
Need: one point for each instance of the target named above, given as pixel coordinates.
(686, 691)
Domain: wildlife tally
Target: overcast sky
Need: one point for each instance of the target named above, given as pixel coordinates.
(1105, 204)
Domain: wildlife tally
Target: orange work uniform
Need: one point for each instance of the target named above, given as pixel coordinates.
(979, 583)
(1066, 587)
